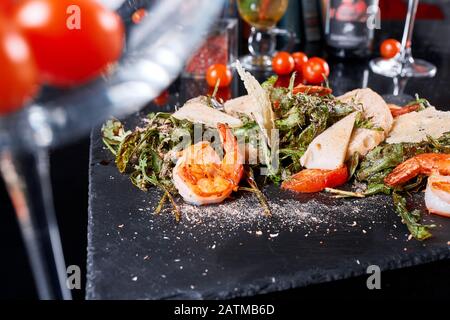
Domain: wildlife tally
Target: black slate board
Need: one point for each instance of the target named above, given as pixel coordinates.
(133, 254)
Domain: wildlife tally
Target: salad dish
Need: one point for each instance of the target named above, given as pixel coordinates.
(300, 138)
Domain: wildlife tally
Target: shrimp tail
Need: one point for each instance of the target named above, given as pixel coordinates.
(233, 156)
(403, 172)
(425, 164)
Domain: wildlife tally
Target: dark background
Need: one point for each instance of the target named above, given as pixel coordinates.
(70, 181)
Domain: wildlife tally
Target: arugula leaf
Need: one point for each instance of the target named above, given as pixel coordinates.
(270, 82)
(381, 159)
(300, 118)
(411, 219)
(354, 162)
(361, 122)
(126, 150)
(113, 133)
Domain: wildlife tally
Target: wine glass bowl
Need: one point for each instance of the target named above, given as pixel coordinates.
(262, 16)
(157, 45)
(154, 55)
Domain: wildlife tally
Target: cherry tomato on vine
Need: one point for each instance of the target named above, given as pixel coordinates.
(300, 59)
(389, 48)
(18, 74)
(216, 72)
(315, 70)
(283, 63)
(73, 41)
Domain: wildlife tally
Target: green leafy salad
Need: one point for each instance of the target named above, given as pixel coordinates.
(310, 138)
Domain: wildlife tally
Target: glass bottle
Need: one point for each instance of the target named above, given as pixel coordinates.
(350, 26)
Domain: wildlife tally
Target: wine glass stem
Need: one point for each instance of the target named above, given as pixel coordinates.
(27, 178)
(261, 43)
(408, 31)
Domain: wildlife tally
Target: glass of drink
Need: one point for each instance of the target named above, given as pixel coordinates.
(404, 65)
(156, 48)
(263, 15)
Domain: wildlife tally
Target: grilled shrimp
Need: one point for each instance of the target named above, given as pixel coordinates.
(201, 177)
(422, 164)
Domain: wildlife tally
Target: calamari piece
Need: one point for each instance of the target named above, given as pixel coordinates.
(373, 107)
(328, 150)
(240, 105)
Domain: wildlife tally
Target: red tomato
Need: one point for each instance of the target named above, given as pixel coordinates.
(282, 81)
(218, 72)
(138, 15)
(315, 70)
(320, 91)
(389, 48)
(73, 41)
(315, 180)
(162, 99)
(222, 95)
(403, 110)
(300, 59)
(6, 6)
(283, 63)
(18, 75)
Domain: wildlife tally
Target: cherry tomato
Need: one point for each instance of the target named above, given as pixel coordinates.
(138, 15)
(389, 48)
(7, 6)
(18, 75)
(162, 99)
(73, 41)
(315, 180)
(282, 81)
(222, 95)
(218, 72)
(315, 70)
(320, 91)
(300, 59)
(283, 63)
(398, 111)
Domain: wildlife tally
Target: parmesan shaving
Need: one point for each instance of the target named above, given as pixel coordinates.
(416, 126)
(262, 111)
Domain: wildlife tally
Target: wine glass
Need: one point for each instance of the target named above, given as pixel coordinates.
(403, 64)
(156, 49)
(263, 15)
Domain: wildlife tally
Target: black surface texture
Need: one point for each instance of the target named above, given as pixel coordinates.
(133, 254)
